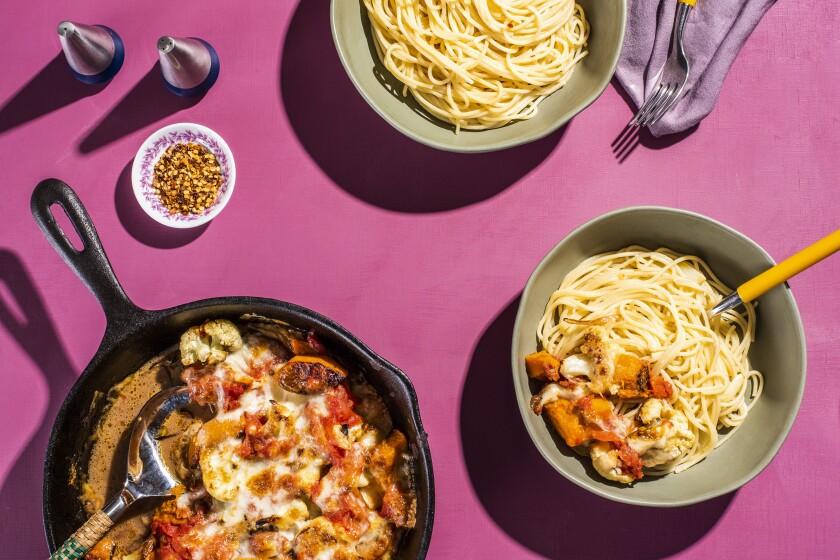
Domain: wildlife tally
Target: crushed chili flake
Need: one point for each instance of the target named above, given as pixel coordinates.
(187, 178)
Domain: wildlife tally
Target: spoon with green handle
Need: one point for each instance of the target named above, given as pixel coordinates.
(146, 476)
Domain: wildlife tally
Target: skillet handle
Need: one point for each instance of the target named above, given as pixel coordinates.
(90, 264)
(83, 540)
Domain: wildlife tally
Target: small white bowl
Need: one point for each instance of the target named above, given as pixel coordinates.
(143, 170)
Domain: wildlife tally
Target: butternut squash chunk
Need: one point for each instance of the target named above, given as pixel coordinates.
(308, 375)
(568, 423)
(542, 365)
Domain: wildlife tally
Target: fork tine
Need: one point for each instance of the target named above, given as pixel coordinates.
(663, 102)
(671, 78)
(666, 90)
(662, 99)
(646, 106)
(666, 107)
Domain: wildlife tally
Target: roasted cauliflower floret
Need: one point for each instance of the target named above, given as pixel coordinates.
(317, 540)
(651, 411)
(606, 461)
(613, 371)
(602, 355)
(377, 539)
(664, 433)
(209, 343)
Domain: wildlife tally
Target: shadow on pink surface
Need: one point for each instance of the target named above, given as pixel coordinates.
(533, 503)
(148, 101)
(20, 493)
(630, 138)
(143, 228)
(362, 153)
(49, 90)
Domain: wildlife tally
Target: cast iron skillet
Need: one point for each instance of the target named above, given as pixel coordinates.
(133, 336)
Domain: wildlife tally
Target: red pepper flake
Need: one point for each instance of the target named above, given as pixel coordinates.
(187, 178)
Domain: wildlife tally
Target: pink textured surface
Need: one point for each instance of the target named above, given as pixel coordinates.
(419, 253)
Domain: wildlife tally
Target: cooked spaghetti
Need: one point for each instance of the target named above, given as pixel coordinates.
(479, 64)
(629, 333)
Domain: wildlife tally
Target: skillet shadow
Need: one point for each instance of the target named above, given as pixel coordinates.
(143, 228)
(146, 103)
(542, 510)
(20, 495)
(630, 138)
(49, 90)
(362, 153)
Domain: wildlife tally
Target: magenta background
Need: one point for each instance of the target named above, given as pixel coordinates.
(420, 253)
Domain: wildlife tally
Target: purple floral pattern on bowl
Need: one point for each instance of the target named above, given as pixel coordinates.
(150, 152)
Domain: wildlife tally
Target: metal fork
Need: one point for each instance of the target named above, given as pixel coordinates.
(671, 78)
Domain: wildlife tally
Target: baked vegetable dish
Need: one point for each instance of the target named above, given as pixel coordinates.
(299, 460)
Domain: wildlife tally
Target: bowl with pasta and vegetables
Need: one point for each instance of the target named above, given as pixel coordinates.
(479, 76)
(626, 385)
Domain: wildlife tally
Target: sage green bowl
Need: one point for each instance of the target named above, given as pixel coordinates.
(383, 92)
(778, 352)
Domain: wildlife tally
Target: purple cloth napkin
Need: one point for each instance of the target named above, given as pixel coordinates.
(714, 34)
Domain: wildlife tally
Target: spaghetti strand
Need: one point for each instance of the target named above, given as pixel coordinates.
(660, 300)
(479, 64)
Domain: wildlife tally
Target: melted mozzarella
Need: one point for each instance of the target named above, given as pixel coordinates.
(643, 445)
(226, 474)
(555, 391)
(577, 365)
(614, 423)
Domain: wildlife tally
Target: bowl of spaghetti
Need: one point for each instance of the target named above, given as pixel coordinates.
(478, 76)
(625, 384)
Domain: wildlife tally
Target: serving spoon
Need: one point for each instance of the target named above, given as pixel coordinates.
(774, 276)
(147, 475)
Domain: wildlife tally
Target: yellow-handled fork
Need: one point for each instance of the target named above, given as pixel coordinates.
(673, 76)
(772, 277)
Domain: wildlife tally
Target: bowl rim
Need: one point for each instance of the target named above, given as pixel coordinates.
(595, 486)
(211, 212)
(492, 146)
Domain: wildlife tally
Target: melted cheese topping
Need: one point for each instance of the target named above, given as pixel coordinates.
(275, 497)
(554, 391)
